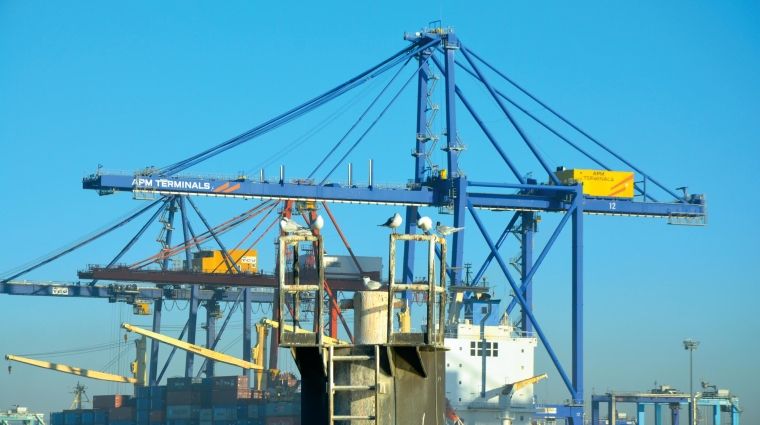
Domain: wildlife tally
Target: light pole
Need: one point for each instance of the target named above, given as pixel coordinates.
(691, 345)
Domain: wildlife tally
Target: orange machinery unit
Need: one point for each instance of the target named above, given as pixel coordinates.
(213, 261)
(602, 183)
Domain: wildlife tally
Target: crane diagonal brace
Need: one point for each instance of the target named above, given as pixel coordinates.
(201, 351)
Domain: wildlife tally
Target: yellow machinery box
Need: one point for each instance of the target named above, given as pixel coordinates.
(213, 261)
(618, 184)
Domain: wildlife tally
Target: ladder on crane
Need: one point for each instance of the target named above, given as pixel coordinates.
(332, 387)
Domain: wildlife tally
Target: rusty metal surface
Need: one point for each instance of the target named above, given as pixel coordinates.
(435, 287)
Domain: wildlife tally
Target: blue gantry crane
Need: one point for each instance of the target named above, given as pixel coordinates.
(450, 189)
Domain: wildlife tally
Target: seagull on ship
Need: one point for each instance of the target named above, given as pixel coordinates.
(371, 284)
(445, 230)
(393, 222)
(425, 224)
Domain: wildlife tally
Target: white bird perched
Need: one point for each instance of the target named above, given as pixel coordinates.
(424, 224)
(393, 222)
(371, 284)
(289, 226)
(317, 224)
(444, 230)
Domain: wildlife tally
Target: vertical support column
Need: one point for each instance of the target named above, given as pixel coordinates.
(528, 224)
(247, 355)
(274, 342)
(612, 410)
(158, 306)
(716, 415)
(194, 292)
(419, 171)
(674, 415)
(640, 413)
(459, 184)
(734, 414)
(594, 412)
(658, 414)
(210, 336)
(578, 298)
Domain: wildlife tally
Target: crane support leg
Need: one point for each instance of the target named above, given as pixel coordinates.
(577, 290)
(210, 336)
(247, 329)
(193, 319)
(528, 224)
(158, 306)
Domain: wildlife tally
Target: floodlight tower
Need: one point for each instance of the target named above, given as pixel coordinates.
(691, 345)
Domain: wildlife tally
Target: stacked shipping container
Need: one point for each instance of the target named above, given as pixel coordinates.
(224, 400)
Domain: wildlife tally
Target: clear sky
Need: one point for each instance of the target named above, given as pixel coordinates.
(671, 86)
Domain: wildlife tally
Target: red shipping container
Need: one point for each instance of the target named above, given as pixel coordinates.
(110, 401)
(229, 397)
(157, 416)
(183, 398)
(281, 420)
(228, 383)
(121, 414)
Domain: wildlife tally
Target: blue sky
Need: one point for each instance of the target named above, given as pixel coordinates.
(671, 86)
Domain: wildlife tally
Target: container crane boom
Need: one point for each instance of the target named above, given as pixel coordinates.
(201, 351)
(75, 370)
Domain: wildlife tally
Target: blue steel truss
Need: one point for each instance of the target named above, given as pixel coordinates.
(453, 191)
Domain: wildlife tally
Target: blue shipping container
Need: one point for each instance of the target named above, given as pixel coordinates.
(158, 392)
(121, 423)
(72, 418)
(101, 417)
(157, 404)
(142, 392)
(143, 404)
(143, 417)
(88, 417)
(56, 418)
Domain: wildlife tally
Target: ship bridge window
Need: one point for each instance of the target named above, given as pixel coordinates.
(476, 349)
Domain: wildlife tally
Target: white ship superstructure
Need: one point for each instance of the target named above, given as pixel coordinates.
(509, 359)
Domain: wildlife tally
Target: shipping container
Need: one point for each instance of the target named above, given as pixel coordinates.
(343, 267)
(157, 404)
(280, 420)
(206, 422)
(142, 392)
(226, 383)
(121, 414)
(229, 397)
(142, 404)
(182, 384)
(157, 416)
(157, 392)
(101, 417)
(182, 412)
(183, 398)
(253, 412)
(279, 409)
(110, 401)
(603, 183)
(71, 417)
(182, 422)
(209, 261)
(225, 413)
(121, 423)
(88, 417)
(142, 417)
(206, 414)
(56, 418)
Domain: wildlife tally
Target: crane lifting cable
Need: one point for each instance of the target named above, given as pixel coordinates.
(199, 239)
(300, 110)
(80, 242)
